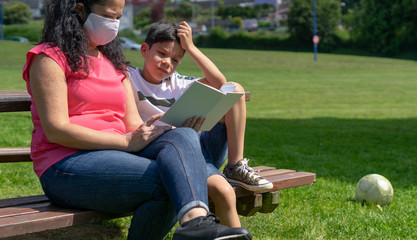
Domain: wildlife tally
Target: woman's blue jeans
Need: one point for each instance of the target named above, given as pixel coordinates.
(159, 184)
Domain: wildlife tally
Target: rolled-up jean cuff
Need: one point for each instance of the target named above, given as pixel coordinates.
(189, 206)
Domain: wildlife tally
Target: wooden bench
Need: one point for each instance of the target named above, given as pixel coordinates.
(36, 213)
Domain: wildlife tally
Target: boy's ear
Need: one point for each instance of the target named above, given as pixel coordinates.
(80, 8)
(143, 49)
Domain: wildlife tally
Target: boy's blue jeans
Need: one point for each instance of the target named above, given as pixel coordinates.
(159, 184)
(214, 147)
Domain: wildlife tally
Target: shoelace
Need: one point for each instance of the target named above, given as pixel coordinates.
(212, 218)
(248, 171)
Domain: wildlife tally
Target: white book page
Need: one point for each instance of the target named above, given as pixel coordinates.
(228, 87)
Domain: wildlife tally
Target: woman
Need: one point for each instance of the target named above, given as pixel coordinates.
(90, 148)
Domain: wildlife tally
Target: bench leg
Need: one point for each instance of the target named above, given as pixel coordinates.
(270, 201)
(249, 205)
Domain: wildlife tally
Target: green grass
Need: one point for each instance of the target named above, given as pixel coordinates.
(342, 117)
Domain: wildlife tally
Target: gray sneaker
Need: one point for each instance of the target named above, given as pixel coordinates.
(243, 175)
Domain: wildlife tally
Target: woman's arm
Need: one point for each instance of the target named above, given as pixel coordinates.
(49, 90)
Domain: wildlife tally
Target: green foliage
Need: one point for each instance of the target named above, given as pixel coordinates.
(127, 33)
(264, 10)
(182, 12)
(142, 19)
(257, 11)
(236, 11)
(219, 38)
(378, 26)
(237, 22)
(300, 19)
(31, 31)
(17, 13)
(262, 24)
(384, 27)
(349, 5)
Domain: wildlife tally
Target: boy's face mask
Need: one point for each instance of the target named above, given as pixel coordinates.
(101, 30)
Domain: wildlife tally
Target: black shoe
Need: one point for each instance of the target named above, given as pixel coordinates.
(209, 228)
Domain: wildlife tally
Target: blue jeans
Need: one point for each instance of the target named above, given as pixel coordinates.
(164, 180)
(214, 147)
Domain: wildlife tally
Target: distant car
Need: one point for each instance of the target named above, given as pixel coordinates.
(18, 39)
(129, 44)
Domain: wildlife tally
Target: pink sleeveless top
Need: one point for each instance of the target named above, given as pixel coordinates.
(97, 102)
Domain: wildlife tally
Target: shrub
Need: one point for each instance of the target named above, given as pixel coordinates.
(17, 12)
(219, 38)
(32, 31)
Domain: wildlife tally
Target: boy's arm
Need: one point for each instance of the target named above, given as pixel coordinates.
(213, 76)
(132, 119)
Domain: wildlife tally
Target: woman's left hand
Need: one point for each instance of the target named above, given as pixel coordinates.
(146, 133)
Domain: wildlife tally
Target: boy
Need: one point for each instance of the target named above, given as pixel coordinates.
(159, 85)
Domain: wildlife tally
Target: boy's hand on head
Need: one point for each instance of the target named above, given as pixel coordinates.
(185, 33)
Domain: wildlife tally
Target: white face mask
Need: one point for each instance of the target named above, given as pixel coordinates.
(101, 30)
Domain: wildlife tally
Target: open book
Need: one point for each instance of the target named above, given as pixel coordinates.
(202, 101)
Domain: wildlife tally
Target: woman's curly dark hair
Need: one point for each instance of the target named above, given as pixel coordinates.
(63, 27)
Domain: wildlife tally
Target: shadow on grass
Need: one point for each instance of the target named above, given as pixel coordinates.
(342, 149)
(80, 232)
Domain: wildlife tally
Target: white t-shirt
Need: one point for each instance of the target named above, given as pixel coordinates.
(157, 98)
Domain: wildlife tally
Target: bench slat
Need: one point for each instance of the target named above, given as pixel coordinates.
(15, 154)
(291, 180)
(275, 172)
(28, 209)
(41, 221)
(14, 101)
(282, 181)
(19, 100)
(14, 202)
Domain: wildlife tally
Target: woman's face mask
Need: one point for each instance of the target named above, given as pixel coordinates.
(101, 30)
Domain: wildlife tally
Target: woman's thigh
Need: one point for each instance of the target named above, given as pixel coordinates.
(181, 165)
(107, 180)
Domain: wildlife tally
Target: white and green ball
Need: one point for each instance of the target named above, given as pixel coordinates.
(374, 189)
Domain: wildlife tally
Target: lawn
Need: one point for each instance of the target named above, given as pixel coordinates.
(341, 117)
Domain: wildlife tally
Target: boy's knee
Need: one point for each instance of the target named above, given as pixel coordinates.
(239, 88)
(222, 192)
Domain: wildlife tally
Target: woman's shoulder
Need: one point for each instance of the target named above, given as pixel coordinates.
(46, 48)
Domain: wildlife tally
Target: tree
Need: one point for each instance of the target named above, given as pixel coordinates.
(408, 32)
(380, 26)
(182, 12)
(142, 19)
(236, 11)
(17, 12)
(349, 5)
(300, 19)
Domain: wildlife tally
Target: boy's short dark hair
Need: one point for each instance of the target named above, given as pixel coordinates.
(161, 32)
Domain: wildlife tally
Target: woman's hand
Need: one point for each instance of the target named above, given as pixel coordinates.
(145, 134)
(194, 123)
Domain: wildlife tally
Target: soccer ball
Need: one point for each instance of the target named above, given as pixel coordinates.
(374, 189)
